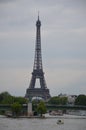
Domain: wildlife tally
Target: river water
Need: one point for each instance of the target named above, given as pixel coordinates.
(70, 123)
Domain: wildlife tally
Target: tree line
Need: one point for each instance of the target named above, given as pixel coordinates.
(7, 98)
(16, 102)
(79, 100)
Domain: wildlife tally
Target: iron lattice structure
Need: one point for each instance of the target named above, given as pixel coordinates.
(43, 91)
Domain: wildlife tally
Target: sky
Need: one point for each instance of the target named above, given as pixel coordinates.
(63, 41)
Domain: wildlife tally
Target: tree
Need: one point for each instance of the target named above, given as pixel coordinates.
(63, 100)
(16, 109)
(58, 100)
(54, 100)
(80, 100)
(20, 100)
(6, 98)
(41, 108)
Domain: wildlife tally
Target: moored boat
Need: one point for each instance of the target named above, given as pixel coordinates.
(60, 121)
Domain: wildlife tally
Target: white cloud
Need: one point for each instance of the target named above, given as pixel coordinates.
(63, 44)
(14, 80)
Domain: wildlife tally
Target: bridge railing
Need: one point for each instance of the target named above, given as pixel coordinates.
(49, 106)
(53, 106)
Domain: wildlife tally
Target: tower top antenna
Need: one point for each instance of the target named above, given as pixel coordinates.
(38, 15)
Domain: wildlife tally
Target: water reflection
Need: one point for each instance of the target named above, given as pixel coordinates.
(70, 123)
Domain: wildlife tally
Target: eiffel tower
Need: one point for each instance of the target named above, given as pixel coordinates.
(38, 73)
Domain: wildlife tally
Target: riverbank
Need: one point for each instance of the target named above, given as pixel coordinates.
(65, 116)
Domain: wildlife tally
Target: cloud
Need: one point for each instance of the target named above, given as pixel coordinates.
(63, 41)
(15, 80)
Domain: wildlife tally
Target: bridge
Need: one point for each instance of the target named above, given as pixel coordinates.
(7, 107)
(66, 107)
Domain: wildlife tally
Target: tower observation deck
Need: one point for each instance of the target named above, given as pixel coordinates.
(38, 73)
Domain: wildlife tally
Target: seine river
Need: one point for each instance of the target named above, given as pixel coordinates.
(70, 123)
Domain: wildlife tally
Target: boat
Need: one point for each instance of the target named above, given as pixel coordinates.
(8, 114)
(60, 121)
(56, 113)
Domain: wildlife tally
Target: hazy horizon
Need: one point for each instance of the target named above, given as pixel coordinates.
(63, 41)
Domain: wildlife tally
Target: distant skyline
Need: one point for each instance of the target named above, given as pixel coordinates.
(63, 41)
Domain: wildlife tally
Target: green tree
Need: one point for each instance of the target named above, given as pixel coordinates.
(20, 100)
(54, 100)
(6, 98)
(16, 109)
(63, 100)
(81, 100)
(41, 108)
(58, 100)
